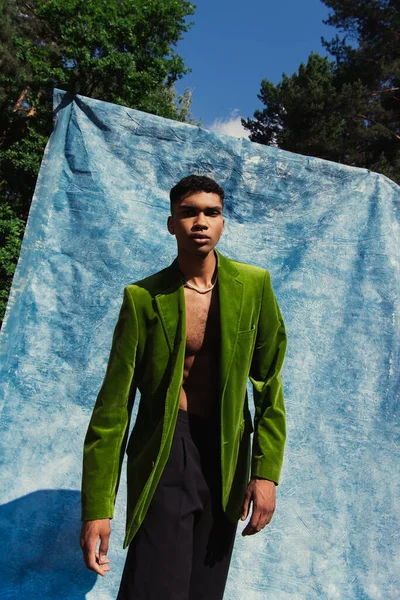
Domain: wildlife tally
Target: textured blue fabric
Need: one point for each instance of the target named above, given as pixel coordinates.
(328, 233)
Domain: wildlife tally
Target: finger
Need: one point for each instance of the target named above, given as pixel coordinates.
(263, 521)
(104, 544)
(269, 516)
(91, 558)
(250, 528)
(102, 564)
(265, 518)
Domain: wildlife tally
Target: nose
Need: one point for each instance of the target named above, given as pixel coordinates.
(200, 222)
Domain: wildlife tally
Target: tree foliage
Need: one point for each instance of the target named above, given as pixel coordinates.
(11, 232)
(120, 51)
(346, 110)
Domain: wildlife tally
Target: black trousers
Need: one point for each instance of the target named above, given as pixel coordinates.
(183, 548)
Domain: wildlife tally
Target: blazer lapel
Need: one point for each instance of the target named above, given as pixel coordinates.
(230, 306)
(171, 307)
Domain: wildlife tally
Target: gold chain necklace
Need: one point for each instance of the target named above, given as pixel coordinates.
(197, 289)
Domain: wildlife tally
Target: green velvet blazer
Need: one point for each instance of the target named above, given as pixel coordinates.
(147, 353)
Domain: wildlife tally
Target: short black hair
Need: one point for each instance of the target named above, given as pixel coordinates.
(191, 185)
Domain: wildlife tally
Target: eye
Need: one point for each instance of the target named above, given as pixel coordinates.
(187, 212)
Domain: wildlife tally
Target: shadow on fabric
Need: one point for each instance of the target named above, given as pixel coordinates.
(42, 557)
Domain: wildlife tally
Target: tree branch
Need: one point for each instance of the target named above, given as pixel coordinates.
(395, 89)
(37, 16)
(377, 123)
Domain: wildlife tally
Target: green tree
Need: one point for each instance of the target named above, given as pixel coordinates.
(120, 51)
(348, 109)
(11, 231)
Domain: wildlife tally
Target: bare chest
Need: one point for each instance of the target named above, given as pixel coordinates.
(202, 321)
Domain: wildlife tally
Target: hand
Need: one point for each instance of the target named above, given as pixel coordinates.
(262, 493)
(92, 532)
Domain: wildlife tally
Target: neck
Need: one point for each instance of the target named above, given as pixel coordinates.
(197, 269)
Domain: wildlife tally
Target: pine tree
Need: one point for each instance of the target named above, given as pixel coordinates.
(348, 109)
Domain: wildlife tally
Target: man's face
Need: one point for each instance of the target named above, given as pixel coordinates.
(197, 222)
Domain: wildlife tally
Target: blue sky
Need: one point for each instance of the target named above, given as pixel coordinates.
(233, 45)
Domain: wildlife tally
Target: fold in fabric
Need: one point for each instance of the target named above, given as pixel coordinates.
(329, 236)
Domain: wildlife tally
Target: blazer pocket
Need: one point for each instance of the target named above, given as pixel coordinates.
(247, 331)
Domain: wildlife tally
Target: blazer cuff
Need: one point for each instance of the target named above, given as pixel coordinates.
(266, 471)
(92, 513)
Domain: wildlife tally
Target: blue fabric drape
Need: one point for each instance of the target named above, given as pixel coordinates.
(328, 233)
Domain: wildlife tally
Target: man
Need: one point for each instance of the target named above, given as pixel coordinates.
(188, 338)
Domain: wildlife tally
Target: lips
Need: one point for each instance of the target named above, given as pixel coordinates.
(199, 239)
(199, 236)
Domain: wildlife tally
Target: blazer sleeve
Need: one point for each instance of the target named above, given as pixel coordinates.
(265, 375)
(106, 437)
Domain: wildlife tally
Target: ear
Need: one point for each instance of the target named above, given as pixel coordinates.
(170, 226)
